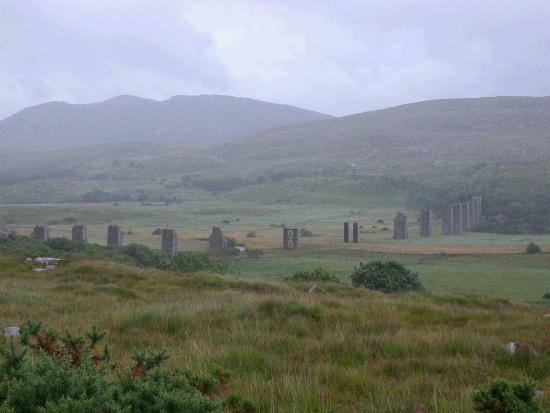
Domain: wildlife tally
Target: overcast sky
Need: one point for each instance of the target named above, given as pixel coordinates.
(338, 57)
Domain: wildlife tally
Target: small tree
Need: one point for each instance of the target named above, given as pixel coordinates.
(532, 248)
(388, 277)
(503, 396)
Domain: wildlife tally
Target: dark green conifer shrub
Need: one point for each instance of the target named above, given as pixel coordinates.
(503, 396)
(388, 277)
(533, 248)
(67, 374)
(317, 274)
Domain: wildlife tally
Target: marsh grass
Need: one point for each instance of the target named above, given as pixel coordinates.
(344, 350)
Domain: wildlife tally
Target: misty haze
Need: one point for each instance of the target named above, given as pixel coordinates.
(256, 206)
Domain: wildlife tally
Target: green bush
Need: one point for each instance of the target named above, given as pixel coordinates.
(546, 296)
(67, 374)
(532, 248)
(306, 233)
(65, 245)
(318, 274)
(388, 277)
(191, 262)
(503, 396)
(141, 254)
(254, 253)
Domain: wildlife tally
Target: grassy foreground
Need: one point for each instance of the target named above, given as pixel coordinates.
(342, 350)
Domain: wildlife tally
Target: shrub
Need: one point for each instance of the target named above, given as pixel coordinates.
(157, 231)
(231, 242)
(64, 244)
(306, 233)
(388, 277)
(546, 296)
(532, 248)
(251, 234)
(254, 253)
(66, 374)
(141, 254)
(318, 274)
(503, 396)
(191, 262)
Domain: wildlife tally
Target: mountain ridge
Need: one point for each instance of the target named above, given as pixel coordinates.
(127, 118)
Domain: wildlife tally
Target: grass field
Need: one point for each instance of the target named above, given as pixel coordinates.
(474, 263)
(342, 350)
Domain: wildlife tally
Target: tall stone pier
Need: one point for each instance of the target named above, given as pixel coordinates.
(457, 219)
(80, 234)
(290, 238)
(346, 231)
(476, 200)
(426, 223)
(114, 236)
(447, 221)
(217, 240)
(400, 228)
(169, 241)
(41, 232)
(465, 210)
(355, 232)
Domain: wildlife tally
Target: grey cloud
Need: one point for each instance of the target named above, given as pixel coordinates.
(334, 56)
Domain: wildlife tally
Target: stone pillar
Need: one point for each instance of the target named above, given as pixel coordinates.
(477, 214)
(472, 209)
(114, 236)
(400, 229)
(80, 234)
(447, 221)
(217, 240)
(346, 231)
(355, 232)
(426, 223)
(290, 238)
(296, 238)
(41, 232)
(457, 219)
(169, 241)
(465, 210)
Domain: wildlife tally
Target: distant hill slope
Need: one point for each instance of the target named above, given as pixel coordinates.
(189, 119)
(460, 131)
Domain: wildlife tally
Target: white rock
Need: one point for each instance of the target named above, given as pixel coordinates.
(11, 331)
(511, 348)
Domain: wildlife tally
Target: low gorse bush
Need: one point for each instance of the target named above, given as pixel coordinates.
(503, 396)
(67, 373)
(318, 274)
(533, 248)
(138, 254)
(388, 277)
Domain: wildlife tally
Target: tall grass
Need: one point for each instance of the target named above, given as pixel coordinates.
(343, 350)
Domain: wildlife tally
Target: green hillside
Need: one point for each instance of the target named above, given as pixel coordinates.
(415, 155)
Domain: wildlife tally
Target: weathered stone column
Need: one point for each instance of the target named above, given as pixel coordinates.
(114, 236)
(217, 240)
(355, 232)
(400, 229)
(346, 231)
(426, 223)
(447, 221)
(41, 232)
(465, 218)
(457, 219)
(169, 241)
(80, 234)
